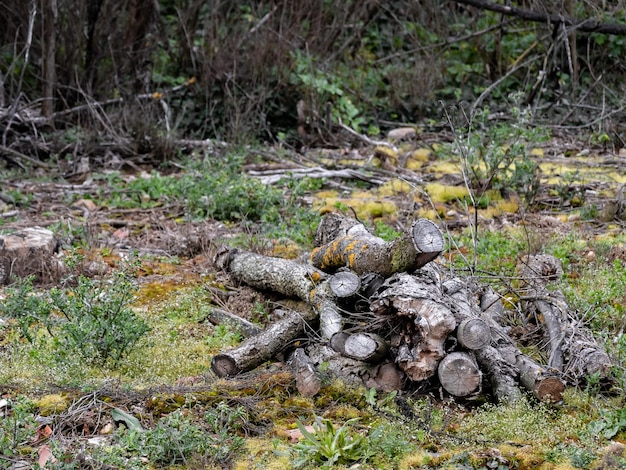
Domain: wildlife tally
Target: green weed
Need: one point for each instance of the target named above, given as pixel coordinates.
(327, 445)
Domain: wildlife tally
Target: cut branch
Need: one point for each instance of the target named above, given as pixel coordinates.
(362, 252)
(262, 347)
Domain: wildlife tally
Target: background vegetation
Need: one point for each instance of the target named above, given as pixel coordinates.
(142, 70)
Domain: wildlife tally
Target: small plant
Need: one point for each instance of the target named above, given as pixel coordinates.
(224, 336)
(27, 308)
(100, 323)
(327, 445)
(93, 318)
(611, 423)
(177, 439)
(18, 428)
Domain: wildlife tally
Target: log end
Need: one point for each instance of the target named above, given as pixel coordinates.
(473, 333)
(428, 240)
(224, 365)
(459, 374)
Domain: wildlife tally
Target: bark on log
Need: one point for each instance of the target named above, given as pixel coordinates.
(308, 382)
(419, 346)
(257, 349)
(352, 246)
(502, 375)
(384, 376)
(459, 374)
(541, 381)
(286, 277)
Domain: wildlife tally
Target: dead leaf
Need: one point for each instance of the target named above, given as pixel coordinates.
(45, 456)
(121, 233)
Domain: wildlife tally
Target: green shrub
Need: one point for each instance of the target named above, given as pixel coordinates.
(93, 318)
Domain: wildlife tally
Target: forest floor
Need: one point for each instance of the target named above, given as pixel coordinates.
(72, 414)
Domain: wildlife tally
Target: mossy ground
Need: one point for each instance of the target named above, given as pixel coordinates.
(169, 369)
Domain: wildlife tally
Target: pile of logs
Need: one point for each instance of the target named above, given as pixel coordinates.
(382, 314)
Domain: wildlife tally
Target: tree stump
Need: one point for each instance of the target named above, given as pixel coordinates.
(28, 252)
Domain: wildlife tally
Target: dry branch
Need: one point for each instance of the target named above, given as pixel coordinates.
(588, 25)
(572, 348)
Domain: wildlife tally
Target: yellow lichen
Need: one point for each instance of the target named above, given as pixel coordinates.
(427, 213)
(536, 152)
(260, 452)
(386, 154)
(443, 168)
(286, 249)
(394, 187)
(442, 193)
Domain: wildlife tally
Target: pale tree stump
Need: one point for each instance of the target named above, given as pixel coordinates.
(28, 252)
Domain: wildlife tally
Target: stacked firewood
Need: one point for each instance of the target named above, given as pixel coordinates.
(384, 315)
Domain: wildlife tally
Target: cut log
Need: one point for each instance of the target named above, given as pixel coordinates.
(541, 381)
(426, 322)
(308, 382)
(505, 364)
(459, 374)
(502, 375)
(28, 252)
(257, 349)
(473, 333)
(362, 252)
(385, 377)
(344, 284)
(367, 347)
(287, 277)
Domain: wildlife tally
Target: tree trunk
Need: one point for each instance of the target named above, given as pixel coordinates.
(49, 18)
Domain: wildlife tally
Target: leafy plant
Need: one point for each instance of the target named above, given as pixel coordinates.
(178, 439)
(93, 318)
(611, 423)
(320, 87)
(498, 155)
(18, 428)
(328, 445)
(224, 336)
(27, 307)
(100, 323)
